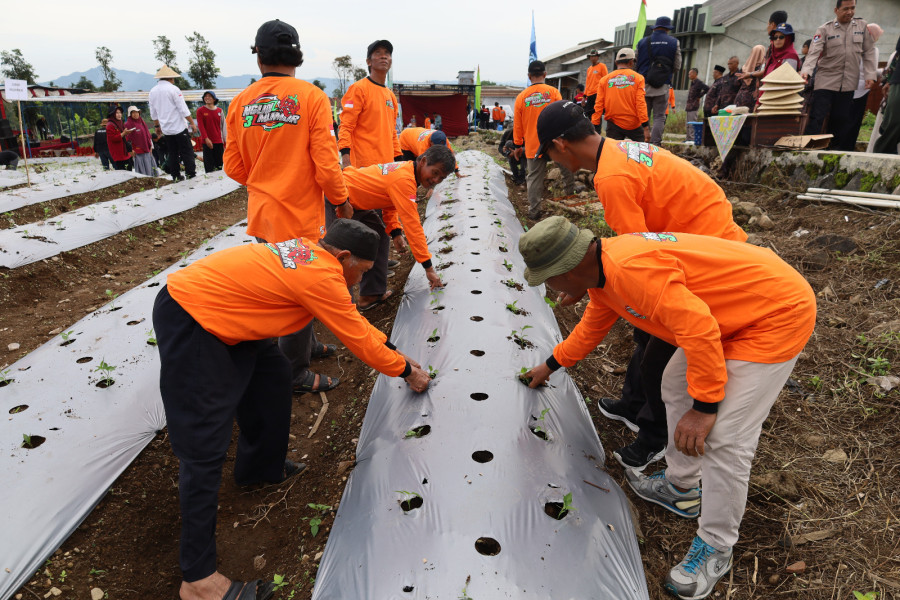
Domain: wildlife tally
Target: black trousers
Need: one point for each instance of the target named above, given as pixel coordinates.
(212, 158)
(408, 155)
(641, 389)
(589, 102)
(374, 281)
(519, 168)
(615, 132)
(836, 107)
(180, 151)
(205, 384)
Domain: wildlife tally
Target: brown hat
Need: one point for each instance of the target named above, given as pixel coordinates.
(553, 247)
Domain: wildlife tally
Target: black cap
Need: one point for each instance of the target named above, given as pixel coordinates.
(275, 33)
(555, 120)
(719, 68)
(379, 44)
(536, 68)
(347, 234)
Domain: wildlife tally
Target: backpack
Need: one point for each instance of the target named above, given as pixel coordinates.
(660, 69)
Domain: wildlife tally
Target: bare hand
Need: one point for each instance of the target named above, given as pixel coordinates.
(345, 161)
(691, 432)
(647, 134)
(565, 299)
(539, 375)
(805, 77)
(517, 153)
(411, 361)
(433, 279)
(208, 143)
(418, 380)
(194, 128)
(344, 211)
(870, 83)
(399, 244)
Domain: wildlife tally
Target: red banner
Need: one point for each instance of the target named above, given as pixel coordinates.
(452, 108)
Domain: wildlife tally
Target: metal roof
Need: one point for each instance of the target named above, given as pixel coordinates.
(132, 97)
(584, 56)
(562, 74)
(581, 46)
(726, 12)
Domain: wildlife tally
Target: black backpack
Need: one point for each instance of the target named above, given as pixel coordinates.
(660, 69)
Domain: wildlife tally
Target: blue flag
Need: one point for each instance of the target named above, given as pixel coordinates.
(532, 49)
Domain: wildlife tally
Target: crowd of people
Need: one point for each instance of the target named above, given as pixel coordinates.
(838, 65)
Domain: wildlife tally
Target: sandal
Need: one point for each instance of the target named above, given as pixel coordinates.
(323, 350)
(252, 590)
(384, 298)
(310, 380)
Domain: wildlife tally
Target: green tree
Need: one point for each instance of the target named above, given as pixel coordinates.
(343, 68)
(318, 84)
(162, 50)
(85, 84)
(488, 82)
(360, 73)
(202, 63)
(111, 81)
(16, 67)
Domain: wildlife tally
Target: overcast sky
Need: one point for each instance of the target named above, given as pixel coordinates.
(432, 41)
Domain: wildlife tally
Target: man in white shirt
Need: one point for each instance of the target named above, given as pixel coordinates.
(171, 115)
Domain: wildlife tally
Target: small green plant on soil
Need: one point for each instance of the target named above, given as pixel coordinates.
(446, 228)
(445, 217)
(408, 499)
(16, 410)
(514, 309)
(151, 339)
(446, 249)
(184, 255)
(46, 212)
(866, 596)
(65, 335)
(62, 576)
(4, 377)
(503, 248)
(106, 372)
(520, 338)
(523, 372)
(498, 222)
(112, 298)
(816, 382)
(432, 372)
(95, 571)
(507, 265)
(434, 337)
(540, 421)
(279, 582)
(26, 441)
(552, 303)
(566, 505)
(435, 297)
(512, 283)
(314, 522)
(417, 432)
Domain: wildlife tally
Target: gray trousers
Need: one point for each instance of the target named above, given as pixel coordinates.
(688, 128)
(656, 108)
(534, 180)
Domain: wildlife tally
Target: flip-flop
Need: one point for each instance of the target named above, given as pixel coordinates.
(323, 350)
(326, 383)
(251, 590)
(384, 298)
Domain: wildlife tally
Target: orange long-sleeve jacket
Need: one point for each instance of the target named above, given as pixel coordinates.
(259, 291)
(671, 104)
(369, 124)
(716, 299)
(621, 96)
(592, 79)
(281, 146)
(529, 104)
(417, 140)
(645, 188)
(498, 114)
(392, 188)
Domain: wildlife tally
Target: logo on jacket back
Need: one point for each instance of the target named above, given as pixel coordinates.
(292, 252)
(641, 152)
(656, 237)
(388, 168)
(621, 81)
(389, 103)
(538, 99)
(270, 112)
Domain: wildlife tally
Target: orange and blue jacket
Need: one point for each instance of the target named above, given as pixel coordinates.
(645, 188)
(716, 299)
(529, 104)
(621, 96)
(281, 146)
(592, 79)
(259, 291)
(418, 139)
(368, 131)
(391, 187)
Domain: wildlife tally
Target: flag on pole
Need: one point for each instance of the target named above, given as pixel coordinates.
(641, 24)
(532, 49)
(477, 92)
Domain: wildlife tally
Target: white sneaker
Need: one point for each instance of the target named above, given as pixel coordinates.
(697, 575)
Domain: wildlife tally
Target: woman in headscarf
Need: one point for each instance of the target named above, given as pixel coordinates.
(141, 143)
(782, 49)
(746, 96)
(116, 134)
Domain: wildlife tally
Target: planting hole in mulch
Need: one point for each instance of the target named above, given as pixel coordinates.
(476, 318)
(477, 352)
(474, 227)
(482, 456)
(154, 284)
(555, 510)
(476, 253)
(84, 359)
(433, 338)
(412, 503)
(409, 588)
(105, 383)
(445, 250)
(487, 546)
(33, 441)
(474, 239)
(67, 342)
(478, 396)
(476, 270)
(438, 308)
(210, 249)
(522, 342)
(17, 409)
(417, 432)
(511, 283)
(447, 237)
(6, 382)
(476, 292)
(135, 322)
(536, 430)
(151, 342)
(115, 308)
(502, 249)
(445, 265)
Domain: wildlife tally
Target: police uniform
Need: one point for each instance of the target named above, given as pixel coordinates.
(834, 56)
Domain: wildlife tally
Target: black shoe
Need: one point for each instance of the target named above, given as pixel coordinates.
(617, 410)
(393, 263)
(637, 456)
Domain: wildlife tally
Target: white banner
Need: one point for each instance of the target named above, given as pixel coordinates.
(16, 89)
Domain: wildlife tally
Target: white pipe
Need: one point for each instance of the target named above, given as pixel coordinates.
(712, 41)
(856, 194)
(855, 201)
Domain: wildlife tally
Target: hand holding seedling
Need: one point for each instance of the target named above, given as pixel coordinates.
(538, 375)
(399, 244)
(565, 299)
(434, 281)
(344, 211)
(418, 380)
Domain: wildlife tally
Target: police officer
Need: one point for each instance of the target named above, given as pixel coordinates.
(836, 50)
(659, 51)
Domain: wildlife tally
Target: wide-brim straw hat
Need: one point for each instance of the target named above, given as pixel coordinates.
(780, 111)
(783, 74)
(785, 101)
(166, 73)
(781, 87)
(553, 247)
(775, 95)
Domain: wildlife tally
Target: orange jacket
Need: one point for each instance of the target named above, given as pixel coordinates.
(498, 114)
(671, 103)
(529, 104)
(427, 123)
(594, 74)
(392, 188)
(621, 95)
(281, 146)
(259, 291)
(369, 124)
(417, 140)
(716, 299)
(645, 188)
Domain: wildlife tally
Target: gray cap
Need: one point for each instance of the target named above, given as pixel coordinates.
(553, 247)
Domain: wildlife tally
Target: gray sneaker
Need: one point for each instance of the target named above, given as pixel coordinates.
(657, 489)
(697, 575)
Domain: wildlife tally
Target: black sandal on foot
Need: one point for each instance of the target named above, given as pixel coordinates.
(310, 380)
(323, 350)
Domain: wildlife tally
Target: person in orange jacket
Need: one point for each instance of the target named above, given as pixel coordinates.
(595, 72)
(620, 96)
(427, 124)
(392, 189)
(642, 188)
(529, 104)
(214, 323)
(498, 115)
(739, 316)
(281, 146)
(671, 105)
(414, 141)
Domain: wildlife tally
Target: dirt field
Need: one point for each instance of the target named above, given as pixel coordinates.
(825, 482)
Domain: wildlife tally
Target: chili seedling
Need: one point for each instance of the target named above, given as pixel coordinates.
(435, 298)
(503, 248)
(520, 338)
(432, 372)
(552, 303)
(314, 522)
(410, 500)
(4, 377)
(434, 337)
(446, 249)
(523, 376)
(112, 299)
(540, 421)
(106, 369)
(26, 443)
(151, 339)
(508, 265)
(66, 335)
(279, 582)
(512, 283)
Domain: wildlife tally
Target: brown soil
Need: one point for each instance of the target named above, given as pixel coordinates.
(128, 546)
